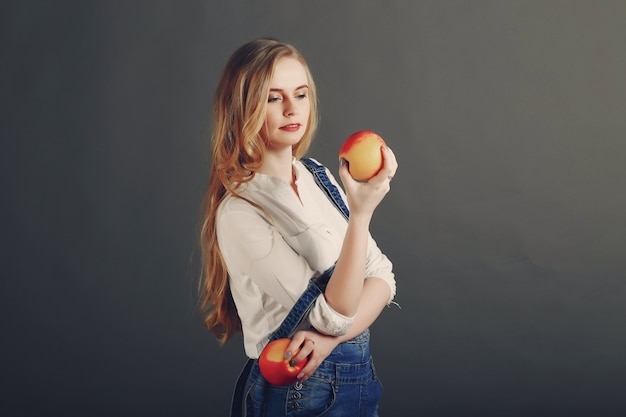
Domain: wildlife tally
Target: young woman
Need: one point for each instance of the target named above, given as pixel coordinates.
(269, 228)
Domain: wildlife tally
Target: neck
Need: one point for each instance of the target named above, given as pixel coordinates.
(278, 164)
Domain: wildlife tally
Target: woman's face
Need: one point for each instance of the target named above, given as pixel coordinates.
(288, 105)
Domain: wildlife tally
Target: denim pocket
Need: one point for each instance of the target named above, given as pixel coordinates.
(314, 397)
(266, 399)
(255, 396)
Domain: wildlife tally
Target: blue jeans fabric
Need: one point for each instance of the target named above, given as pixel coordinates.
(344, 385)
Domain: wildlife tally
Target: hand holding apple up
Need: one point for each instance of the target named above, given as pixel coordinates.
(363, 152)
(367, 167)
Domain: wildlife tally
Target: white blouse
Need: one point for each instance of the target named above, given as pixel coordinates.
(271, 260)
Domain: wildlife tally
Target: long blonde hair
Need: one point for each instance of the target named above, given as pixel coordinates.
(237, 151)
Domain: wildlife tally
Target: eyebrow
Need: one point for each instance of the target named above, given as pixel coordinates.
(295, 89)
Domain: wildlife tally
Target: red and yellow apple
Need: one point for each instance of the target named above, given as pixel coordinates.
(275, 368)
(363, 152)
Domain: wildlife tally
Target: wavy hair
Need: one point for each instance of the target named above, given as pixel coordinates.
(237, 152)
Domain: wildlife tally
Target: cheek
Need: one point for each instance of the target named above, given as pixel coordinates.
(266, 129)
(271, 118)
(306, 112)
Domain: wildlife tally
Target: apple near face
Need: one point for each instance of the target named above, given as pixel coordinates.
(275, 368)
(362, 150)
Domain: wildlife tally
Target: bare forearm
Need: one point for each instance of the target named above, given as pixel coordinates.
(374, 298)
(343, 291)
(344, 288)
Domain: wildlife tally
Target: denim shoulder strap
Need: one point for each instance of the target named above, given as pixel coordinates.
(302, 306)
(322, 180)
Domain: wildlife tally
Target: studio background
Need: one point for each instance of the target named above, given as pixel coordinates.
(506, 221)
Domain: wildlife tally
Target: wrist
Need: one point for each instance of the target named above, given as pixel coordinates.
(361, 219)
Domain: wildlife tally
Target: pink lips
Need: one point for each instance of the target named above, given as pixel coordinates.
(293, 127)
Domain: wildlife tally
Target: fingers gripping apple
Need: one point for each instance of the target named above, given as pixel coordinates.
(362, 150)
(275, 368)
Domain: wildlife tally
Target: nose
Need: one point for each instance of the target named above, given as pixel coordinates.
(290, 108)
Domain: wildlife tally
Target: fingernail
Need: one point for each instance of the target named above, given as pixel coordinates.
(287, 355)
(292, 363)
(342, 162)
(300, 376)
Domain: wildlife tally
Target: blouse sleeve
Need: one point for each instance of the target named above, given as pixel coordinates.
(257, 256)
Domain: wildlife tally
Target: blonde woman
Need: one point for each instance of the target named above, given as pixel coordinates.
(269, 228)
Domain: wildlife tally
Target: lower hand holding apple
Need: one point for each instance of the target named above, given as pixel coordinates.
(287, 361)
(313, 346)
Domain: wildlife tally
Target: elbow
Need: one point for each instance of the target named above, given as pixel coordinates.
(328, 321)
(342, 309)
(334, 329)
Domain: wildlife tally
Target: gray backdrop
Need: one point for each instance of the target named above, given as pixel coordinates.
(506, 220)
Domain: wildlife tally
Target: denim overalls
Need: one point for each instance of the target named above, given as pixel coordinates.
(345, 383)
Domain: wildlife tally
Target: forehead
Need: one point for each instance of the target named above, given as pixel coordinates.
(288, 73)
